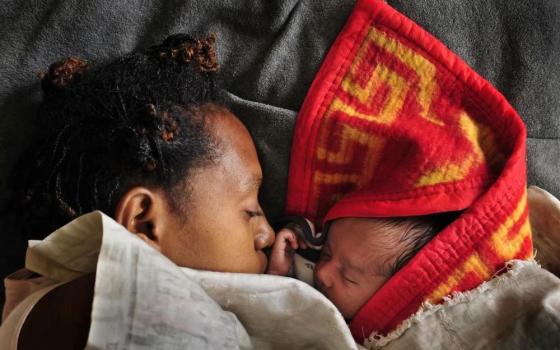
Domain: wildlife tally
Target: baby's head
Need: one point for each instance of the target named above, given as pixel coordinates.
(361, 254)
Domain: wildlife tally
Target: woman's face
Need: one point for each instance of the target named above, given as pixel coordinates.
(224, 228)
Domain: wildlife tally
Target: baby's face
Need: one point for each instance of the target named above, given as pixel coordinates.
(354, 262)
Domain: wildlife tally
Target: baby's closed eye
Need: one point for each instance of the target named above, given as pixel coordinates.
(350, 280)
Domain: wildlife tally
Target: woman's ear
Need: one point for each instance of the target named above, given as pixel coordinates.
(141, 211)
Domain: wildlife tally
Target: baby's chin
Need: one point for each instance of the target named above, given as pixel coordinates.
(348, 316)
(348, 310)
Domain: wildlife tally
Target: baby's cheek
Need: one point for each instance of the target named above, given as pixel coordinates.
(351, 304)
(364, 293)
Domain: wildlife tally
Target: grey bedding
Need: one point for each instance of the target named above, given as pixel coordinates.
(269, 53)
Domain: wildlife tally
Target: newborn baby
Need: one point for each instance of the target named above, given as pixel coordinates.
(359, 256)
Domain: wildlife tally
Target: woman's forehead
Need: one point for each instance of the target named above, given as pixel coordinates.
(231, 135)
(237, 168)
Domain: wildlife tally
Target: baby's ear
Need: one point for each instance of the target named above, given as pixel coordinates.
(61, 73)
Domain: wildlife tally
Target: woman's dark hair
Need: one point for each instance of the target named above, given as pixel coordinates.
(137, 120)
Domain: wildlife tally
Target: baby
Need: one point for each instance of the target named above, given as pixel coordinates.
(359, 256)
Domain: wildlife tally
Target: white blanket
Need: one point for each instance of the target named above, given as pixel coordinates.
(144, 301)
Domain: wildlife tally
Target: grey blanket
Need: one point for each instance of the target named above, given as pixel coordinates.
(519, 309)
(269, 53)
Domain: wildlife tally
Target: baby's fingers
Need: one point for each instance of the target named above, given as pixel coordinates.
(287, 236)
(293, 239)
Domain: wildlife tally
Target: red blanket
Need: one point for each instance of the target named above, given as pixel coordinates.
(395, 124)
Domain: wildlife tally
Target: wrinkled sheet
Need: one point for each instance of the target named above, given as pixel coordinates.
(545, 226)
(144, 301)
(519, 309)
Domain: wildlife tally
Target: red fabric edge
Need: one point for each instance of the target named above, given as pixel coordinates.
(305, 135)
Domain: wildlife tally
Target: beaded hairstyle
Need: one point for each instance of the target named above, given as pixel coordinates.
(138, 120)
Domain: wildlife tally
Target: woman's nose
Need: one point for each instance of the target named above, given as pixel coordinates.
(264, 236)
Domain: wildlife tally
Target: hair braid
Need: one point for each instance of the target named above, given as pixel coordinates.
(137, 120)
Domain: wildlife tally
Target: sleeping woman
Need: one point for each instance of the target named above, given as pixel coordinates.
(147, 140)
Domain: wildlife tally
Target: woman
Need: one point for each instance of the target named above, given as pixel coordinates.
(146, 140)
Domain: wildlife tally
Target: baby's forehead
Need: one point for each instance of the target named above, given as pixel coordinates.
(365, 243)
(368, 229)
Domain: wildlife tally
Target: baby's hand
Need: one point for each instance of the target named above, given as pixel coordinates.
(282, 256)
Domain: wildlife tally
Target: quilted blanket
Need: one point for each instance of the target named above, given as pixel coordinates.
(395, 124)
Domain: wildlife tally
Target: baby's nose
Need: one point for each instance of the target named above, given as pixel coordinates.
(322, 278)
(264, 236)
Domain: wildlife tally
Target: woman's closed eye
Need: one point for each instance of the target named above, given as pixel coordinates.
(253, 213)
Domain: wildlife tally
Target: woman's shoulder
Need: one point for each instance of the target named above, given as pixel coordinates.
(56, 316)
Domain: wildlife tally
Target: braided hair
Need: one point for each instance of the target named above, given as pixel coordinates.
(137, 120)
